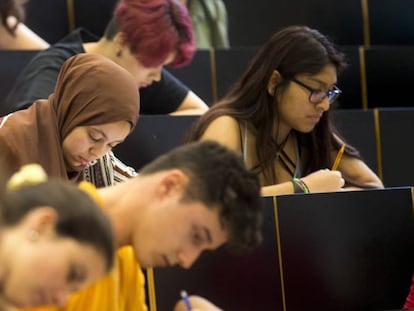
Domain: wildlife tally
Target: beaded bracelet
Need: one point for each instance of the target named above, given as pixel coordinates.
(299, 186)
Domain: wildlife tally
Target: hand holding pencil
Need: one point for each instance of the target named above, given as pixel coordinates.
(197, 303)
(184, 297)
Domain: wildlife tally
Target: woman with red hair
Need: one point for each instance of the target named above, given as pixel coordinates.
(143, 36)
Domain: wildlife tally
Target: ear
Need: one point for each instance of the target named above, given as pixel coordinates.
(274, 81)
(173, 182)
(42, 219)
(120, 40)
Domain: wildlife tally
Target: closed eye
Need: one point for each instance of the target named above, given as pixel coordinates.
(94, 139)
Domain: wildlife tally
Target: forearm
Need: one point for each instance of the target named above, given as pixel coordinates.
(188, 112)
(23, 39)
(192, 104)
(278, 189)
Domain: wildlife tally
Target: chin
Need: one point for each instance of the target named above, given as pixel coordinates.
(77, 168)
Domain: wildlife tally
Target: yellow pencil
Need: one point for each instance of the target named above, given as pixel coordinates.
(338, 157)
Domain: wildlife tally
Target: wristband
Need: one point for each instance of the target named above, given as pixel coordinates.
(299, 186)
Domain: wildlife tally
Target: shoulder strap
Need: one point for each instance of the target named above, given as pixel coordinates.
(245, 141)
(298, 167)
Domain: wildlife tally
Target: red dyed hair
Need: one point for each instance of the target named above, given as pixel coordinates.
(156, 28)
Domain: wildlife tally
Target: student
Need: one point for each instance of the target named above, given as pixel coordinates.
(14, 35)
(194, 198)
(143, 37)
(94, 107)
(53, 240)
(210, 23)
(277, 115)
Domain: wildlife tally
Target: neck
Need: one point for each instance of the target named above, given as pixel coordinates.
(281, 133)
(125, 207)
(102, 47)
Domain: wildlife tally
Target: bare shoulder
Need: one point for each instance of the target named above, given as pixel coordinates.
(225, 130)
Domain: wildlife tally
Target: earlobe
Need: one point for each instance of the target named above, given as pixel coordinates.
(120, 43)
(43, 219)
(274, 81)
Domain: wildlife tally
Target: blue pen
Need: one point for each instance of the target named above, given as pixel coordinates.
(187, 303)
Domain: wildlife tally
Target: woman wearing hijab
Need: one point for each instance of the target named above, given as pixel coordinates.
(94, 107)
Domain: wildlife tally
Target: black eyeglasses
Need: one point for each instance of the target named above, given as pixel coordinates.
(316, 96)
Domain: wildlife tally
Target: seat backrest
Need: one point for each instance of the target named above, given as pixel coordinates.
(153, 136)
(251, 24)
(390, 22)
(397, 150)
(11, 64)
(197, 75)
(389, 72)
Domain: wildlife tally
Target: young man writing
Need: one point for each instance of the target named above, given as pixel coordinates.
(195, 198)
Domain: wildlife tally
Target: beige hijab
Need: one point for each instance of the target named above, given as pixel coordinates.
(90, 90)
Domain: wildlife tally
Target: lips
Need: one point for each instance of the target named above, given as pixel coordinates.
(315, 118)
(83, 161)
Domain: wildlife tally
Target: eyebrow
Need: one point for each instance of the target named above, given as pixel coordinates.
(101, 132)
(322, 82)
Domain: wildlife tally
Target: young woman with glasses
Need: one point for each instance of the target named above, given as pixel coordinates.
(277, 115)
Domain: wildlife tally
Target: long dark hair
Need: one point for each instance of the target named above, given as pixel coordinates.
(291, 51)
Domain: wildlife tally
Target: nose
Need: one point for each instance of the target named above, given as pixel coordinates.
(186, 259)
(97, 150)
(324, 104)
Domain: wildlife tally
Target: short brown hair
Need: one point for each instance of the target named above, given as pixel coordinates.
(219, 179)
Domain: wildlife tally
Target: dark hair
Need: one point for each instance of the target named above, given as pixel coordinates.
(78, 215)
(292, 51)
(219, 179)
(153, 29)
(10, 8)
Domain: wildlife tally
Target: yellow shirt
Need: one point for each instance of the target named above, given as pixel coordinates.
(121, 290)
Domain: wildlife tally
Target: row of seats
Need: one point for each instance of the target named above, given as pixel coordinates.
(377, 133)
(358, 22)
(338, 251)
(377, 76)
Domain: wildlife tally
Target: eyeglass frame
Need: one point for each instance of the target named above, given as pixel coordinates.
(331, 94)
